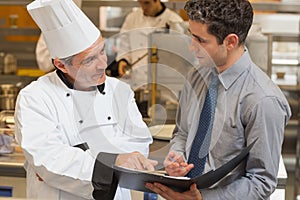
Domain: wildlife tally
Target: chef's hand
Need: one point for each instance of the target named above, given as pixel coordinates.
(175, 164)
(135, 160)
(169, 194)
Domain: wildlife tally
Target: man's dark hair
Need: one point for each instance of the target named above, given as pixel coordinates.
(223, 17)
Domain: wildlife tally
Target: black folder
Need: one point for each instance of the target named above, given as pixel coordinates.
(136, 179)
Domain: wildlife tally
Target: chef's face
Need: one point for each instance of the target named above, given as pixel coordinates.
(206, 47)
(88, 67)
(150, 7)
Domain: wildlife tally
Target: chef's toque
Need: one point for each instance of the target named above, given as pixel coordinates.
(66, 29)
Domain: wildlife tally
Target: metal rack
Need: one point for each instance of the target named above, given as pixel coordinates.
(295, 89)
(276, 37)
(24, 50)
(291, 89)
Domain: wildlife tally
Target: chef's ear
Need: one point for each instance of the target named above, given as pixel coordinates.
(59, 65)
(231, 41)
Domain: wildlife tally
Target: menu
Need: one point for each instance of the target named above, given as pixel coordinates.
(136, 179)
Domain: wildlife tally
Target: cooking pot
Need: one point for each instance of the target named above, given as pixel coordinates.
(10, 64)
(8, 95)
(7, 102)
(142, 95)
(9, 89)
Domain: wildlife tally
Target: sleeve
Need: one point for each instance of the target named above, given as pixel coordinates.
(123, 39)
(47, 148)
(104, 181)
(127, 24)
(175, 17)
(266, 121)
(43, 57)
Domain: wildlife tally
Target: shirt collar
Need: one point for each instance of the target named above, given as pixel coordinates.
(230, 75)
(64, 79)
(163, 10)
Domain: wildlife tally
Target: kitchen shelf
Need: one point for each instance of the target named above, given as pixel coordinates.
(279, 37)
(293, 89)
(293, 124)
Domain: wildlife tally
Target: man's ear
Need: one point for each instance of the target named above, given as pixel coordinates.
(231, 41)
(59, 65)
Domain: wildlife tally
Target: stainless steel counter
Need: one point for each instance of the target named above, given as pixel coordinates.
(12, 165)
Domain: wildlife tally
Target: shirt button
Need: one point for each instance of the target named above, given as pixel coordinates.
(108, 117)
(80, 121)
(68, 94)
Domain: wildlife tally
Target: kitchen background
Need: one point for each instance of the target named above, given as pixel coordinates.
(273, 42)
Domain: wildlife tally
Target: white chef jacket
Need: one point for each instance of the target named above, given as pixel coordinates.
(134, 42)
(137, 19)
(138, 26)
(48, 126)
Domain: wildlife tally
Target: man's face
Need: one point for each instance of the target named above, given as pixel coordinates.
(206, 47)
(88, 67)
(150, 7)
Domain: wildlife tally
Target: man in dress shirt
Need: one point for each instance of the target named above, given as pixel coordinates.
(249, 107)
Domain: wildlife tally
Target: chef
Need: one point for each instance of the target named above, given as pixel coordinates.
(133, 38)
(75, 123)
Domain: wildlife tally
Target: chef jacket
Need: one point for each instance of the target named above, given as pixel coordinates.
(133, 41)
(53, 120)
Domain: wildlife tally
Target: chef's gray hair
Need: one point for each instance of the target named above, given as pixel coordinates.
(223, 17)
(68, 60)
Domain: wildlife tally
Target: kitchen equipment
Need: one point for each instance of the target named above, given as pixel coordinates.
(7, 102)
(7, 141)
(7, 120)
(8, 95)
(141, 95)
(2, 55)
(10, 64)
(9, 89)
(162, 132)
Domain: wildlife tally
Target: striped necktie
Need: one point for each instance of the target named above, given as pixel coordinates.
(200, 146)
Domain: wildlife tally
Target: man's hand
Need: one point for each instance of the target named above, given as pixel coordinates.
(175, 164)
(169, 194)
(135, 160)
(123, 68)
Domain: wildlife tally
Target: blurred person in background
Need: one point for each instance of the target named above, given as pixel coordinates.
(151, 15)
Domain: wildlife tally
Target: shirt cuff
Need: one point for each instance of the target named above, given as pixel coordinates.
(104, 181)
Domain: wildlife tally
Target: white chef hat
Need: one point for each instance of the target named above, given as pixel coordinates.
(66, 29)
